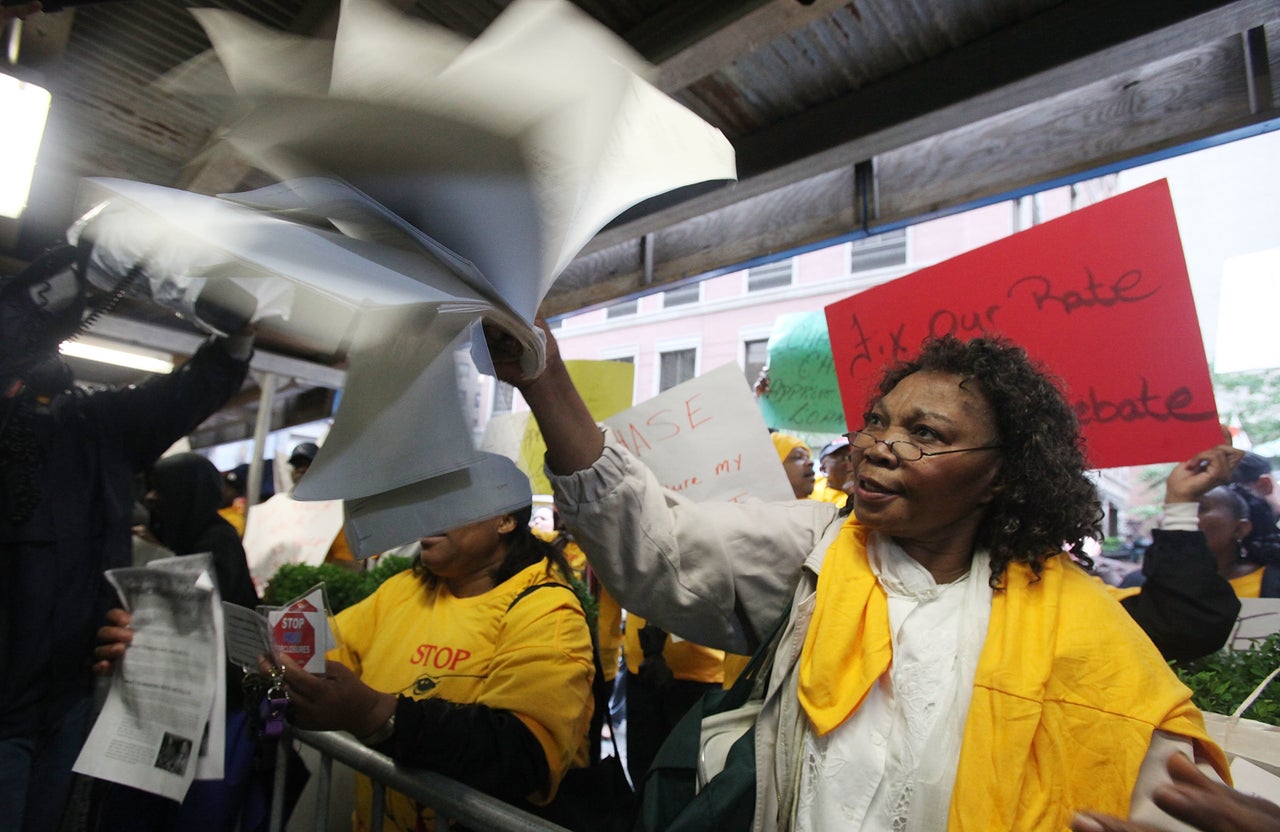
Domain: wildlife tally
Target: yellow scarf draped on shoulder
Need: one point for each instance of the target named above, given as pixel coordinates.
(1067, 694)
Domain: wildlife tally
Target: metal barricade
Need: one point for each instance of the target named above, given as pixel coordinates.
(450, 799)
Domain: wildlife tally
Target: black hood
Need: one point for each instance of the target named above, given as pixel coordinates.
(188, 491)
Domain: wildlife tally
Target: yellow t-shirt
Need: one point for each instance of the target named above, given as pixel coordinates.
(340, 552)
(534, 661)
(1249, 586)
(608, 613)
(824, 493)
(734, 664)
(234, 514)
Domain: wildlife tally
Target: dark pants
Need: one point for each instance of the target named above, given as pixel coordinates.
(210, 805)
(35, 771)
(652, 711)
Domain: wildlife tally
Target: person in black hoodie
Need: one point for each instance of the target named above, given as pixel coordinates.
(184, 492)
(68, 459)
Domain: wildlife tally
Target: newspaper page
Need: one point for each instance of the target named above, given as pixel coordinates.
(152, 725)
(211, 760)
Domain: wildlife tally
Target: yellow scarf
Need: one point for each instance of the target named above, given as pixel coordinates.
(852, 616)
(1067, 694)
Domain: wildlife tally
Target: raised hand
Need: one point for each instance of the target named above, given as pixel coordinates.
(1194, 799)
(1191, 480)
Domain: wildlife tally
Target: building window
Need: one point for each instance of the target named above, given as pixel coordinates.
(755, 354)
(555, 324)
(682, 296)
(502, 393)
(770, 276)
(621, 310)
(879, 252)
(676, 367)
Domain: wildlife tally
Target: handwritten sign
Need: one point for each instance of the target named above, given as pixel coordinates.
(284, 530)
(606, 388)
(1100, 296)
(804, 394)
(705, 439)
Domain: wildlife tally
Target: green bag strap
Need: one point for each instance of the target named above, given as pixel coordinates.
(669, 799)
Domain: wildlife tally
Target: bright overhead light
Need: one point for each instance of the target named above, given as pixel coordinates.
(137, 359)
(25, 107)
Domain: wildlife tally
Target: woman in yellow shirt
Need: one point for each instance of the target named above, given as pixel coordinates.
(476, 664)
(1241, 532)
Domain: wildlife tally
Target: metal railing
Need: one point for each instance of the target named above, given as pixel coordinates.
(451, 800)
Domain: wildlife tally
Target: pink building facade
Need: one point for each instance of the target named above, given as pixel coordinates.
(673, 336)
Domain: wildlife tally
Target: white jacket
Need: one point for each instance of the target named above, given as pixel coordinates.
(684, 564)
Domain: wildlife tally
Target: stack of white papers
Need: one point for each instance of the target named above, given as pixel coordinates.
(428, 183)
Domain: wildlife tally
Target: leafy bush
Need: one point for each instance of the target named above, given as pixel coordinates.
(343, 587)
(1221, 681)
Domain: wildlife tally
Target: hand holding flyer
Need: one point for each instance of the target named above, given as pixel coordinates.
(155, 725)
(301, 629)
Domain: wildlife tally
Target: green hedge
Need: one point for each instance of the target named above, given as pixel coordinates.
(1221, 681)
(343, 587)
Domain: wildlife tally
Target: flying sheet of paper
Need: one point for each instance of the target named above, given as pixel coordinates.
(705, 438)
(481, 490)
(405, 387)
(200, 236)
(458, 191)
(540, 131)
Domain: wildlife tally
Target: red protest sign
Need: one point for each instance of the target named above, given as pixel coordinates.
(1100, 296)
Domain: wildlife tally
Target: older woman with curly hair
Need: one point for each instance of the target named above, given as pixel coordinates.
(943, 663)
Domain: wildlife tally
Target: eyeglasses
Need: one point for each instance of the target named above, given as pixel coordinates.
(903, 449)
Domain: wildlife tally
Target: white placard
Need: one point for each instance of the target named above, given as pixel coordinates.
(705, 439)
(284, 530)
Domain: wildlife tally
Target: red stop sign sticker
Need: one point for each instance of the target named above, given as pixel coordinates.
(294, 635)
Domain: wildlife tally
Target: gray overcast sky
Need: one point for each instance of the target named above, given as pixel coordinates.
(1227, 200)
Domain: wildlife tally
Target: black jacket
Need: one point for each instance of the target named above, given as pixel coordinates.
(88, 448)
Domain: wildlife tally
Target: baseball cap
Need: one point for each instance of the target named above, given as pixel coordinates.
(833, 446)
(237, 478)
(1250, 468)
(305, 452)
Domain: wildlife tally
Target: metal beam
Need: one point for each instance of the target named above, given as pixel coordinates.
(142, 334)
(1165, 104)
(1072, 45)
(733, 38)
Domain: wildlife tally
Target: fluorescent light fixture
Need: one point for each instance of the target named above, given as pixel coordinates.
(110, 353)
(25, 107)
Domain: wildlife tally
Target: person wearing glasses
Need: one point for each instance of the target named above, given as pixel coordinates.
(944, 664)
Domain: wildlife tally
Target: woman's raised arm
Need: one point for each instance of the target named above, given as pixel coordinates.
(574, 442)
